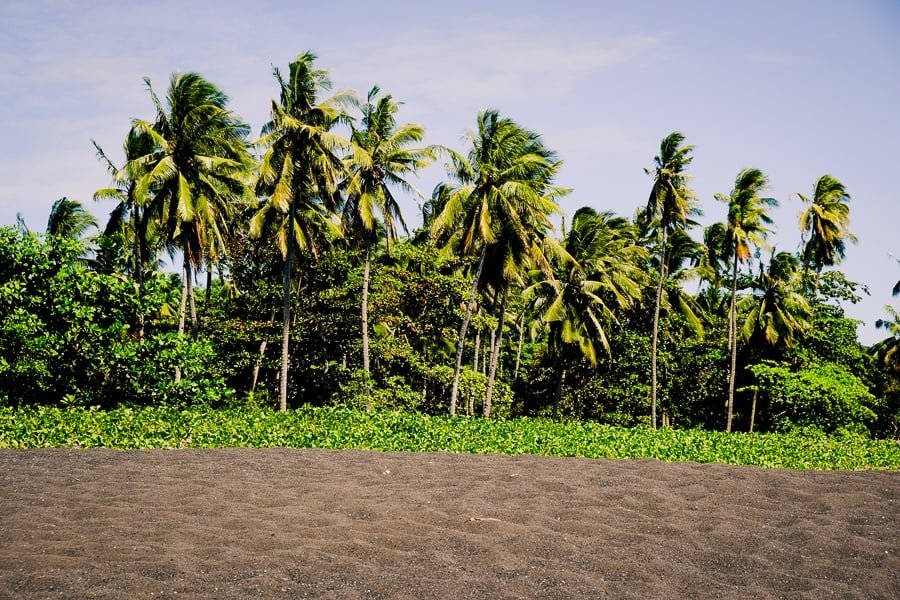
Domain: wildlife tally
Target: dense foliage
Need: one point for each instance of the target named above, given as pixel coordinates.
(312, 297)
(338, 428)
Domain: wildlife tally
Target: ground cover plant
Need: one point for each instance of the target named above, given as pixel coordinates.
(395, 431)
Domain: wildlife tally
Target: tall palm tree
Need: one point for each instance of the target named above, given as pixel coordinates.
(503, 196)
(69, 219)
(600, 275)
(747, 227)
(380, 160)
(825, 224)
(299, 174)
(198, 169)
(671, 205)
(506, 264)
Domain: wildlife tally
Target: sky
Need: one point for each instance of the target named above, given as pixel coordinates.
(798, 89)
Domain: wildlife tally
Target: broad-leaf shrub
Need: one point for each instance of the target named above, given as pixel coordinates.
(822, 395)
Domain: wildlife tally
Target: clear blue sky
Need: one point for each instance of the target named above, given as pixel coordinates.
(798, 89)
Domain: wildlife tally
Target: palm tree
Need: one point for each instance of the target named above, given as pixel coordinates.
(685, 263)
(600, 275)
(714, 262)
(299, 173)
(747, 226)
(506, 264)
(126, 217)
(777, 312)
(671, 204)
(380, 159)
(825, 224)
(197, 170)
(888, 349)
(69, 219)
(500, 204)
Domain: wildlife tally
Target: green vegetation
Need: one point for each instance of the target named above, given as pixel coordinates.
(484, 309)
(337, 428)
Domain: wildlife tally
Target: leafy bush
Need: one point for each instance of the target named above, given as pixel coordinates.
(362, 392)
(823, 395)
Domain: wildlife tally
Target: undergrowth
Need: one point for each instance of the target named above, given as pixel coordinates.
(338, 428)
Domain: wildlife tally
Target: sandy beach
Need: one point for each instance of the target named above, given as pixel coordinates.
(237, 523)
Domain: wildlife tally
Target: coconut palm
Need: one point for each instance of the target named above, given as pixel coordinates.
(684, 263)
(776, 311)
(888, 350)
(747, 227)
(600, 275)
(126, 218)
(69, 219)
(196, 172)
(299, 174)
(671, 205)
(380, 160)
(714, 262)
(507, 263)
(500, 204)
(825, 224)
(713, 271)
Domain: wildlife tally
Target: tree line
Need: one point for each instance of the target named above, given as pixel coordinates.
(486, 307)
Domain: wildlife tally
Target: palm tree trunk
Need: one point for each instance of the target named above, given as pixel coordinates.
(477, 349)
(209, 278)
(519, 348)
(138, 266)
(753, 410)
(495, 355)
(185, 274)
(732, 328)
(655, 343)
(557, 392)
(461, 343)
(286, 321)
(195, 324)
(365, 311)
(262, 352)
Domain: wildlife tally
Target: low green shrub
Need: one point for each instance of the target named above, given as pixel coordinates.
(342, 427)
